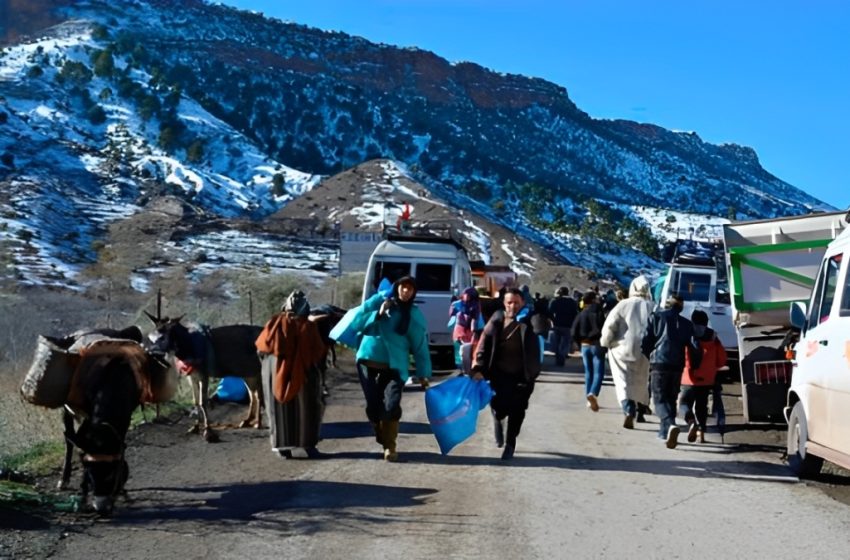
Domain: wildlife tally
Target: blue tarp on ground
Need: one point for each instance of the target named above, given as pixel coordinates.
(232, 389)
(453, 407)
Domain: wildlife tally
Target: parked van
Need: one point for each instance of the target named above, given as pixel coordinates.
(441, 268)
(697, 273)
(819, 395)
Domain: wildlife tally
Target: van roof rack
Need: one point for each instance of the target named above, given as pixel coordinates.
(430, 231)
(699, 248)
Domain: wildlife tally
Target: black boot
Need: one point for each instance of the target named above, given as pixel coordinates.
(379, 431)
(498, 431)
(510, 441)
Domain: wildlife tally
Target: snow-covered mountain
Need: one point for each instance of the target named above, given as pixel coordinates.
(107, 105)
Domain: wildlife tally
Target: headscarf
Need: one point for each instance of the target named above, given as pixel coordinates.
(403, 306)
(470, 308)
(297, 304)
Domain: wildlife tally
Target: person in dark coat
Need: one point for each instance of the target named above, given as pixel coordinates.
(586, 331)
(563, 310)
(668, 337)
(508, 356)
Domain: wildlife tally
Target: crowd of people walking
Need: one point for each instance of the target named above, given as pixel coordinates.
(653, 354)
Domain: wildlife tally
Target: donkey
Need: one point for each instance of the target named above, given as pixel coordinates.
(326, 317)
(111, 380)
(201, 352)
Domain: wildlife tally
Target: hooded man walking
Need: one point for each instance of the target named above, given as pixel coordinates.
(622, 334)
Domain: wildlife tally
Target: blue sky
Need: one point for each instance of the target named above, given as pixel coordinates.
(774, 76)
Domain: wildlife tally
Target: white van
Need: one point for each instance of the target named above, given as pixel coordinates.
(441, 269)
(700, 280)
(819, 396)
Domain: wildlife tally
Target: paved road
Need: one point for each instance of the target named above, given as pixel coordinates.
(580, 486)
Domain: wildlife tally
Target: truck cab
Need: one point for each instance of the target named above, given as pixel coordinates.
(819, 396)
(441, 268)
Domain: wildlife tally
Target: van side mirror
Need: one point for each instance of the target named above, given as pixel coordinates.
(798, 315)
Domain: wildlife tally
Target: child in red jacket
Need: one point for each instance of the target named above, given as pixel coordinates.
(697, 382)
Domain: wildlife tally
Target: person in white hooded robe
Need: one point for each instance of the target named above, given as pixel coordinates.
(622, 333)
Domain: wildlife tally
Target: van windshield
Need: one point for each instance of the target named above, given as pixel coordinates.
(390, 270)
(691, 286)
(433, 277)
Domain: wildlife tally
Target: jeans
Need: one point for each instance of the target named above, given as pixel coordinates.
(629, 407)
(665, 390)
(717, 407)
(382, 389)
(593, 357)
(560, 342)
(694, 404)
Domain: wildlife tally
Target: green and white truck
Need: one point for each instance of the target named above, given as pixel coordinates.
(771, 264)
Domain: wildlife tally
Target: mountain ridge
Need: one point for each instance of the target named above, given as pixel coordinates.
(120, 102)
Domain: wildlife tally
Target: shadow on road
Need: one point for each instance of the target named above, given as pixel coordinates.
(13, 518)
(346, 430)
(242, 502)
(758, 470)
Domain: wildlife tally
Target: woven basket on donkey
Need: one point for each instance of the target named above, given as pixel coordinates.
(49, 378)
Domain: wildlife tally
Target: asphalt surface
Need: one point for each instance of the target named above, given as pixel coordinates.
(580, 485)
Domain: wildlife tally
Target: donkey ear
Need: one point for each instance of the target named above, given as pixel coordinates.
(153, 319)
(178, 319)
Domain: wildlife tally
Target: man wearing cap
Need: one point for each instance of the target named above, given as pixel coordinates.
(668, 337)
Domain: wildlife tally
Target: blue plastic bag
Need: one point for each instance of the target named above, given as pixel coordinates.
(343, 334)
(452, 408)
(385, 288)
(232, 389)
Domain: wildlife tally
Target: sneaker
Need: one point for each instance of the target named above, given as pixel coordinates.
(508, 453)
(629, 423)
(672, 437)
(591, 400)
(692, 432)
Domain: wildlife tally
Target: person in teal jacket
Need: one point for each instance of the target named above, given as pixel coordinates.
(391, 328)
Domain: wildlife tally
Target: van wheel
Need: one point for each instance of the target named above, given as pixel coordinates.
(804, 465)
